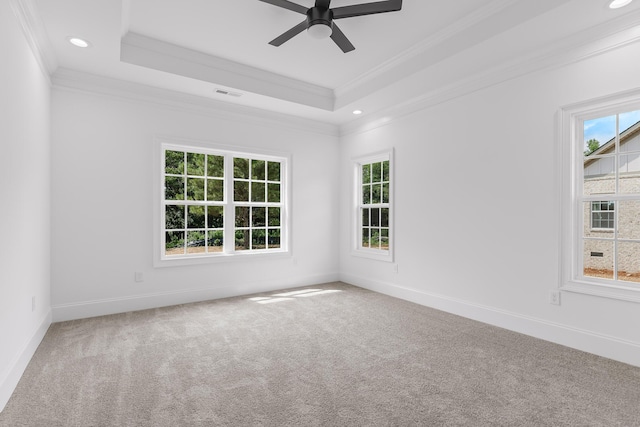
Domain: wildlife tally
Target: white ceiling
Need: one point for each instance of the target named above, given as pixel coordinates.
(240, 30)
(196, 46)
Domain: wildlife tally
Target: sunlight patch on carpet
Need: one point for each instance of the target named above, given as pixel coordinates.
(290, 296)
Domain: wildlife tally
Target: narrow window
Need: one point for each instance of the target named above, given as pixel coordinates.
(601, 198)
(193, 203)
(257, 197)
(373, 217)
(611, 167)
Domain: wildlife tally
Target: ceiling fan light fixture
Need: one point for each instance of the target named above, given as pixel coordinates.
(320, 31)
(319, 22)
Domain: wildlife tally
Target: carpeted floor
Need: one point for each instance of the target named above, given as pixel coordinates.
(336, 356)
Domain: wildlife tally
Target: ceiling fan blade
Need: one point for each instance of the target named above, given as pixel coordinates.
(287, 35)
(287, 5)
(323, 3)
(366, 9)
(341, 40)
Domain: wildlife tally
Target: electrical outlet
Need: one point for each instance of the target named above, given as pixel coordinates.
(139, 277)
(33, 303)
(395, 268)
(554, 297)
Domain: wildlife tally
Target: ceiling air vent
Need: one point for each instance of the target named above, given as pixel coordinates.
(229, 93)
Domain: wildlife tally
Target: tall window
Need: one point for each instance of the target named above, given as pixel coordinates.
(193, 203)
(257, 198)
(217, 203)
(601, 223)
(374, 208)
(611, 197)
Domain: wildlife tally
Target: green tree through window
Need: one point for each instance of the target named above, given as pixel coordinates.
(374, 204)
(199, 219)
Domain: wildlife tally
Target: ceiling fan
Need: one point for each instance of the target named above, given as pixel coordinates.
(319, 23)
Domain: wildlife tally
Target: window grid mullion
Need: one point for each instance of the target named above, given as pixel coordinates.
(616, 204)
(229, 243)
(616, 213)
(186, 206)
(206, 210)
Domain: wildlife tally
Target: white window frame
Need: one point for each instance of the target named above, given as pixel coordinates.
(570, 129)
(229, 253)
(357, 249)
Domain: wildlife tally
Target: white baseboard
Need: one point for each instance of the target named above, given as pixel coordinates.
(19, 364)
(590, 342)
(85, 309)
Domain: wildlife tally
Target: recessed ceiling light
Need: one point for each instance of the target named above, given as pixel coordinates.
(357, 112)
(78, 42)
(615, 4)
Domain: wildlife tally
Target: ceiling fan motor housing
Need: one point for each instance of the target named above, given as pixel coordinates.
(319, 16)
(319, 23)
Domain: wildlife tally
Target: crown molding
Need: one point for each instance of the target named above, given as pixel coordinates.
(125, 20)
(594, 41)
(35, 34)
(158, 55)
(66, 79)
(496, 17)
(424, 47)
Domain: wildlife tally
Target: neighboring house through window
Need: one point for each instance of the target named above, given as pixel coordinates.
(601, 198)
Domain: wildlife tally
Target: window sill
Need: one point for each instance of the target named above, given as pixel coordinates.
(386, 256)
(179, 261)
(605, 290)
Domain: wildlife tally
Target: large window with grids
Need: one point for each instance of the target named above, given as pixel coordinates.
(374, 222)
(601, 215)
(217, 203)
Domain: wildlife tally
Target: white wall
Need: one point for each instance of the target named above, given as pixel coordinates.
(477, 214)
(25, 195)
(477, 208)
(102, 207)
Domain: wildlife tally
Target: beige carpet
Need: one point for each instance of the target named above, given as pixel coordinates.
(337, 356)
